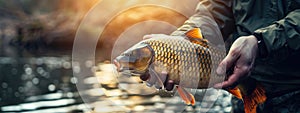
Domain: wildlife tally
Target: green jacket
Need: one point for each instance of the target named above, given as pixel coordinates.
(275, 22)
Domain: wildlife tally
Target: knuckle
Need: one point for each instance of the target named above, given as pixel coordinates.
(244, 68)
(234, 53)
(223, 63)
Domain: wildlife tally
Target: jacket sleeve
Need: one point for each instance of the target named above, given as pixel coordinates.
(211, 15)
(282, 38)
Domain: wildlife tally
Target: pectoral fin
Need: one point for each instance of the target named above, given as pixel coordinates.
(159, 82)
(195, 36)
(187, 97)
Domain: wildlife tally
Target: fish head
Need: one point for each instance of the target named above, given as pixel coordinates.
(135, 60)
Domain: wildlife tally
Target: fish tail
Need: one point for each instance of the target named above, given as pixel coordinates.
(252, 100)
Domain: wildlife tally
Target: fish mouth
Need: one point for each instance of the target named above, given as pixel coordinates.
(144, 75)
(126, 70)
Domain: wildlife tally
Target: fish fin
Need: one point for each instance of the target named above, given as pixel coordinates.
(236, 92)
(251, 101)
(194, 33)
(187, 97)
(195, 36)
(160, 82)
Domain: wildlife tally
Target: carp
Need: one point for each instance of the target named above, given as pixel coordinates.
(179, 62)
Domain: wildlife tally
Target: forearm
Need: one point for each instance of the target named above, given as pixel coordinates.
(211, 16)
(282, 38)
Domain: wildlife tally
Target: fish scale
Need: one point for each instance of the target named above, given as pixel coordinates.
(184, 61)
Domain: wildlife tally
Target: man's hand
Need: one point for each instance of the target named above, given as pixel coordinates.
(240, 58)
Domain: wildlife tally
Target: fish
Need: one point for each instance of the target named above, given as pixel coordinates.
(179, 62)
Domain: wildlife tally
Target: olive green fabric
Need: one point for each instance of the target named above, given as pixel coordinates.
(287, 103)
(275, 22)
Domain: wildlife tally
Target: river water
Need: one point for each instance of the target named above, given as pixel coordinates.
(47, 84)
(44, 83)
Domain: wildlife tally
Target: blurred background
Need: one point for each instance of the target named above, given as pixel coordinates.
(36, 41)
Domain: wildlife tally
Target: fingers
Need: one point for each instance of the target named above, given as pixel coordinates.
(147, 37)
(231, 80)
(238, 63)
(228, 62)
(240, 72)
(225, 66)
(154, 80)
(170, 85)
(145, 76)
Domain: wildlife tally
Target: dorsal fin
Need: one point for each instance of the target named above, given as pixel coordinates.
(195, 36)
(194, 33)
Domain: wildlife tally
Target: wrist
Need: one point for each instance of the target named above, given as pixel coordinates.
(262, 51)
(254, 38)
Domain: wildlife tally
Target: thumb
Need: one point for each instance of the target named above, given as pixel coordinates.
(153, 35)
(227, 62)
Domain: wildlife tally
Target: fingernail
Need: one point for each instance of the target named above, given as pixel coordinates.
(220, 70)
